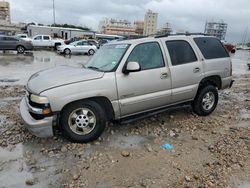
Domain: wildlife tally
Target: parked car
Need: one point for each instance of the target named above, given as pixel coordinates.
(81, 46)
(24, 37)
(46, 41)
(13, 43)
(230, 48)
(126, 79)
(94, 42)
(74, 39)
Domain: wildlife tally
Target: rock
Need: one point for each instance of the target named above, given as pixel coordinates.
(76, 175)
(171, 117)
(148, 147)
(64, 149)
(125, 153)
(188, 178)
(172, 134)
(194, 138)
(30, 182)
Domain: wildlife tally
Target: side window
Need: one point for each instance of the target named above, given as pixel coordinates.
(38, 38)
(180, 52)
(45, 37)
(211, 48)
(148, 55)
(79, 43)
(85, 43)
(10, 39)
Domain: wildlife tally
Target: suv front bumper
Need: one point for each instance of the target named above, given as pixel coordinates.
(39, 128)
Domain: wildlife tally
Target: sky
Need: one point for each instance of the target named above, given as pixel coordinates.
(188, 15)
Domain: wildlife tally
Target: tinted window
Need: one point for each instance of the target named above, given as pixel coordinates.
(148, 55)
(79, 43)
(180, 52)
(10, 39)
(38, 38)
(211, 47)
(45, 37)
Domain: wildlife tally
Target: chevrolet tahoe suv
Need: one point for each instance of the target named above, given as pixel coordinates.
(124, 79)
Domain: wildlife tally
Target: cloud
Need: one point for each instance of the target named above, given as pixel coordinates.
(189, 15)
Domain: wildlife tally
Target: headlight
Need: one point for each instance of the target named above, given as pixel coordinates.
(39, 99)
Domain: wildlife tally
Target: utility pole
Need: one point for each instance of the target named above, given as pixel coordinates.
(54, 12)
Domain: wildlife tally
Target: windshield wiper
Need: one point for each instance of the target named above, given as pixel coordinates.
(94, 68)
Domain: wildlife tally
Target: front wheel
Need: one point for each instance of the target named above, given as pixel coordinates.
(83, 121)
(206, 101)
(20, 49)
(67, 51)
(91, 52)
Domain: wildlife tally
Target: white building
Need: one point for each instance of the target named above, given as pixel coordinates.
(150, 23)
(61, 32)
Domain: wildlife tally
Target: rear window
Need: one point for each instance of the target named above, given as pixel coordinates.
(211, 48)
(45, 37)
(180, 52)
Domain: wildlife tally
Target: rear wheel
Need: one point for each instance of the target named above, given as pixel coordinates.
(67, 51)
(83, 121)
(20, 49)
(206, 100)
(91, 52)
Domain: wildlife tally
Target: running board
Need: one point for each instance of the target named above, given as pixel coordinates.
(144, 115)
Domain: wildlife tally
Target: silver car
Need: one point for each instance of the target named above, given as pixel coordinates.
(124, 79)
(81, 46)
(13, 43)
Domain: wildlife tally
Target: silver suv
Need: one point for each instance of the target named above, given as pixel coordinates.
(124, 79)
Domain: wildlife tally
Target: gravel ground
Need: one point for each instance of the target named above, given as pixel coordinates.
(210, 151)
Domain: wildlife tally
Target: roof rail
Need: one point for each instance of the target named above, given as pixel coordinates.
(186, 34)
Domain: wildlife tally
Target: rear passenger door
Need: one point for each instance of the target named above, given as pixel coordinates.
(186, 70)
(46, 41)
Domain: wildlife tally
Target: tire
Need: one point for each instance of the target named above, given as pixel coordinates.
(206, 100)
(82, 121)
(56, 45)
(20, 49)
(67, 51)
(91, 52)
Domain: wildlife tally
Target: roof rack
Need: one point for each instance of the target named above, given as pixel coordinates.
(186, 34)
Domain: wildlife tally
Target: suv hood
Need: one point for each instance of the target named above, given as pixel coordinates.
(59, 76)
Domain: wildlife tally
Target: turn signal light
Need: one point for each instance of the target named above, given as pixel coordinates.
(46, 111)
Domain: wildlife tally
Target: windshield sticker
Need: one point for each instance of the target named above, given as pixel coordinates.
(121, 46)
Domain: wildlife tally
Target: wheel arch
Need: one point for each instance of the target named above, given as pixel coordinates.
(104, 102)
(214, 80)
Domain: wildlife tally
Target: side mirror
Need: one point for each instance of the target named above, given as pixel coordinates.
(132, 67)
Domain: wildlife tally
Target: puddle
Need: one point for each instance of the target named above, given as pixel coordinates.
(245, 114)
(11, 167)
(244, 185)
(17, 68)
(16, 168)
(127, 142)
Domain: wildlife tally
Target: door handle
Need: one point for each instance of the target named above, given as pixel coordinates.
(164, 75)
(197, 69)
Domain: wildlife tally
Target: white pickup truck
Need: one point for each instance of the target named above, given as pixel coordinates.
(46, 41)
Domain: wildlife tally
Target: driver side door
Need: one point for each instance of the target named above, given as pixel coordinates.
(148, 88)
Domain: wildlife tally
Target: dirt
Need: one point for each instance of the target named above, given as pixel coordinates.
(210, 151)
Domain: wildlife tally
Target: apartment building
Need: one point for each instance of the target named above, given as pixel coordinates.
(150, 23)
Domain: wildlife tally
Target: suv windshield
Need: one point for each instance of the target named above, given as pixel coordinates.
(107, 57)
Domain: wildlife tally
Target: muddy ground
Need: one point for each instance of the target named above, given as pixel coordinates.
(212, 151)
